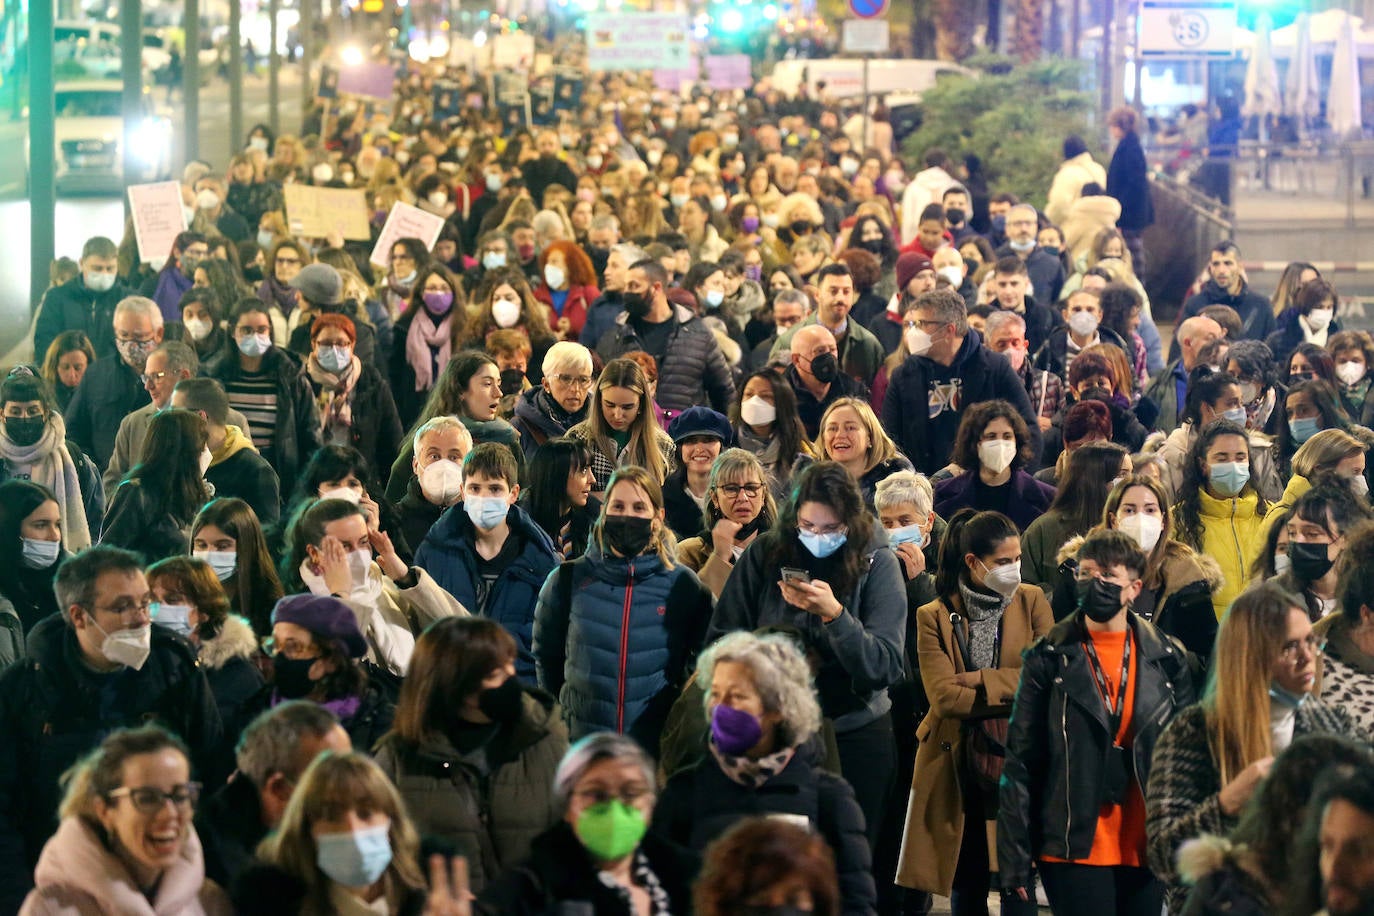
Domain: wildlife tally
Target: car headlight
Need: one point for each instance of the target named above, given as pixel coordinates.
(148, 141)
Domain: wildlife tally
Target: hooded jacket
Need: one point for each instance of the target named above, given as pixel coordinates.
(1052, 782)
(692, 369)
(78, 875)
(1264, 471)
(234, 679)
(449, 554)
(977, 374)
(927, 186)
(1233, 535)
(53, 710)
(1068, 183)
(128, 443)
(490, 803)
(860, 652)
(237, 469)
(615, 639)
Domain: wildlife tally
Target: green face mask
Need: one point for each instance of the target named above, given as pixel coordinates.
(611, 830)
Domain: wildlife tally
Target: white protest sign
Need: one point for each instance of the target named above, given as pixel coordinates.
(638, 41)
(158, 218)
(406, 222)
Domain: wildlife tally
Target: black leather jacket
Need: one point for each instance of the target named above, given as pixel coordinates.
(1052, 783)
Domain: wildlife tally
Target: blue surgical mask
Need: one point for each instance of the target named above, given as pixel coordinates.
(1304, 428)
(1229, 477)
(714, 298)
(1022, 247)
(175, 617)
(255, 344)
(1236, 415)
(40, 554)
(223, 562)
(333, 359)
(822, 545)
(355, 859)
(910, 534)
(486, 512)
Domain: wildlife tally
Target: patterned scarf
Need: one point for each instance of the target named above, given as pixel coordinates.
(335, 399)
(748, 772)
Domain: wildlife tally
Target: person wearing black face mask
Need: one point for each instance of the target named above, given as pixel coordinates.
(319, 654)
(1095, 695)
(617, 629)
(473, 751)
(1316, 539)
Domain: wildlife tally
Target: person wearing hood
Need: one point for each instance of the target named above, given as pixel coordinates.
(764, 760)
(86, 302)
(560, 402)
(926, 187)
(827, 571)
(334, 551)
(97, 666)
(948, 370)
(1227, 286)
(120, 848)
(488, 553)
(472, 750)
(31, 523)
(617, 629)
(236, 469)
(177, 274)
(1077, 170)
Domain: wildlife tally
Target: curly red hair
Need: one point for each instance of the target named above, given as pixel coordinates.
(580, 270)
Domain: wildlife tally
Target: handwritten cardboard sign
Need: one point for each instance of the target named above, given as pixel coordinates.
(313, 212)
(405, 222)
(158, 218)
(638, 41)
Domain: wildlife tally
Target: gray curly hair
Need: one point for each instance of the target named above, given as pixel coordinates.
(905, 487)
(781, 674)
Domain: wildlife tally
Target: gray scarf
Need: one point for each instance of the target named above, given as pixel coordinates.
(984, 615)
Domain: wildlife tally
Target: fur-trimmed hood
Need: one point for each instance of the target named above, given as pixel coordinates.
(1178, 557)
(1200, 857)
(235, 640)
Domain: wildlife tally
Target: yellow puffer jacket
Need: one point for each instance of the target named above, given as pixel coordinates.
(1233, 535)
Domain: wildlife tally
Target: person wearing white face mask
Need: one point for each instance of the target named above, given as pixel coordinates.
(1353, 353)
(86, 302)
(1005, 333)
(212, 206)
(31, 532)
(488, 553)
(992, 446)
(766, 423)
(330, 552)
(1310, 319)
(969, 643)
(569, 287)
(101, 644)
(1082, 313)
(1087, 479)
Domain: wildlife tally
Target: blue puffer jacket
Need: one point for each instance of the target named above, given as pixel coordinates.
(616, 641)
(448, 554)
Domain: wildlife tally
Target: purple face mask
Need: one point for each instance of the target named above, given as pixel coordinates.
(753, 272)
(749, 224)
(734, 731)
(438, 302)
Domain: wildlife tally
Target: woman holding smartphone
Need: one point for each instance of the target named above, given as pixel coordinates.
(826, 570)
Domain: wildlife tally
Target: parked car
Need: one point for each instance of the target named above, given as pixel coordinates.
(90, 128)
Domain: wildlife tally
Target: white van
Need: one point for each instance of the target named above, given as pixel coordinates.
(844, 77)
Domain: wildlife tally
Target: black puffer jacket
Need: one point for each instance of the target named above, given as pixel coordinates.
(298, 419)
(692, 371)
(1059, 727)
(701, 803)
(74, 306)
(53, 710)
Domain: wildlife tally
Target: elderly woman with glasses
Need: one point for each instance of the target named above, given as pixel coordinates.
(121, 848)
(763, 758)
(560, 401)
(599, 857)
(738, 506)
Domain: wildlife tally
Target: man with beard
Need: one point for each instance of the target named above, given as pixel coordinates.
(691, 366)
(1343, 818)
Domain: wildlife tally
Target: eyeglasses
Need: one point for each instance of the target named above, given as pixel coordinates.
(153, 376)
(128, 606)
(149, 800)
(576, 381)
(130, 338)
(733, 490)
(1314, 644)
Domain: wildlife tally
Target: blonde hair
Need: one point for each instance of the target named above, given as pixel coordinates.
(332, 786)
(664, 543)
(880, 447)
(1324, 451)
(1236, 702)
(643, 447)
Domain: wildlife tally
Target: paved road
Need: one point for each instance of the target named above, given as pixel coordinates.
(79, 218)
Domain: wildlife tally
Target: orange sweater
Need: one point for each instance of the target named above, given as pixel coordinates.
(1120, 836)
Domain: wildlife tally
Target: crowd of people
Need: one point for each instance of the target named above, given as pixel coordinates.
(725, 515)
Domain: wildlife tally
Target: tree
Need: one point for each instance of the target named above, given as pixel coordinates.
(955, 23)
(1014, 118)
(1029, 38)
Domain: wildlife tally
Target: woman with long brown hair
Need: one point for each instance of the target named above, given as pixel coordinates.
(621, 428)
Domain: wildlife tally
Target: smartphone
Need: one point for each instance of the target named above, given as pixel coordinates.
(792, 575)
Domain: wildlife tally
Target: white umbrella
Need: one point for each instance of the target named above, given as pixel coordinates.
(1300, 100)
(1343, 106)
(1262, 97)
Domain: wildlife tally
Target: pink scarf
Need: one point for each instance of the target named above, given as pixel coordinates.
(423, 336)
(335, 399)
